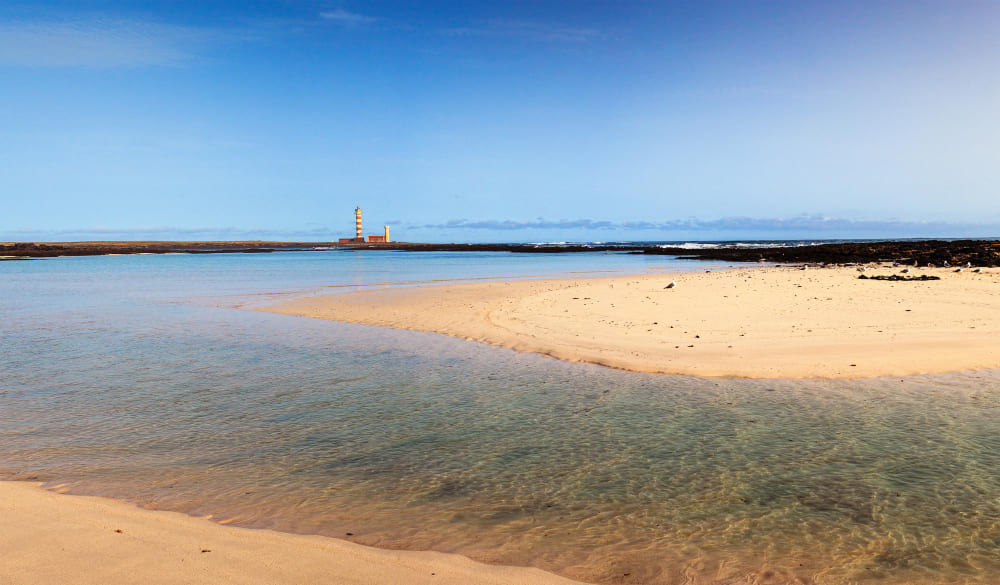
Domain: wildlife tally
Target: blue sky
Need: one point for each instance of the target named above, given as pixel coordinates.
(507, 121)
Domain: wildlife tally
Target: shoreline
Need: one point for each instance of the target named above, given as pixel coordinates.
(50, 537)
(770, 322)
(982, 252)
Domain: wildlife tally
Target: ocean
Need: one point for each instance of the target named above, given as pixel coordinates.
(141, 378)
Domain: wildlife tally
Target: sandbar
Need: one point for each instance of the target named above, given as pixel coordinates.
(48, 538)
(760, 322)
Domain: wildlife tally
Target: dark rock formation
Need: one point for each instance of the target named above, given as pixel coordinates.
(921, 253)
(910, 252)
(898, 277)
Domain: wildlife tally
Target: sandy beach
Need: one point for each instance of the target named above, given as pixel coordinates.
(752, 322)
(52, 538)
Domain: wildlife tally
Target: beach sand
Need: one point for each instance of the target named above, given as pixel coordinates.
(48, 538)
(756, 322)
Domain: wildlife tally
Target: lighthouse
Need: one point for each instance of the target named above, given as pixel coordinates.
(359, 237)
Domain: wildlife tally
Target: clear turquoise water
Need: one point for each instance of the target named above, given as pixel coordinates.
(128, 376)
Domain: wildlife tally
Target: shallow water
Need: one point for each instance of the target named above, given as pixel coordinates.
(129, 377)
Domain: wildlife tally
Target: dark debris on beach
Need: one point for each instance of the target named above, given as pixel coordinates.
(899, 277)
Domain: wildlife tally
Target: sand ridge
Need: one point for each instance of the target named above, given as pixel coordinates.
(51, 538)
(753, 322)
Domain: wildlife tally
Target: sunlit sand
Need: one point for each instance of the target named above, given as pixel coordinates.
(49, 538)
(759, 322)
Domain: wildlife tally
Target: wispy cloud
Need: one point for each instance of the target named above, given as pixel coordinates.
(799, 224)
(165, 232)
(524, 29)
(101, 43)
(346, 18)
(811, 226)
(539, 224)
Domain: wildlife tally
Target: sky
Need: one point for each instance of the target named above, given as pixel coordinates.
(499, 121)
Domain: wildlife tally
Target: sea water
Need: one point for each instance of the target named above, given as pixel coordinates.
(135, 377)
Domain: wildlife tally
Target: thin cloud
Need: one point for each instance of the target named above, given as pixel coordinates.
(164, 232)
(765, 228)
(346, 18)
(804, 223)
(535, 31)
(509, 225)
(101, 43)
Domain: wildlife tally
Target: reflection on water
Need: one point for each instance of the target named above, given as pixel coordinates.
(420, 441)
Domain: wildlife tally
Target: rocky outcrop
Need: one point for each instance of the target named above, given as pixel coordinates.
(920, 253)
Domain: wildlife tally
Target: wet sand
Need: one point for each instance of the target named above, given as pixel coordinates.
(759, 322)
(51, 538)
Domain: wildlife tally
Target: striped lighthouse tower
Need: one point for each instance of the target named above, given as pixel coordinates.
(357, 222)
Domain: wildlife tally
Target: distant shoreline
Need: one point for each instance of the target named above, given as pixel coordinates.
(920, 252)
